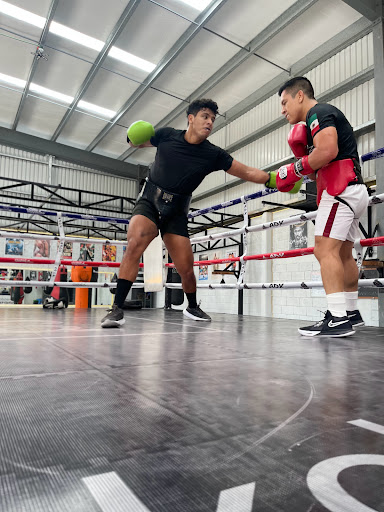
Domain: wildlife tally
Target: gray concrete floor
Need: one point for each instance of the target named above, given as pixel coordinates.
(167, 414)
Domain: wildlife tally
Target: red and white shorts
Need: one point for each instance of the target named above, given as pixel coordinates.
(336, 220)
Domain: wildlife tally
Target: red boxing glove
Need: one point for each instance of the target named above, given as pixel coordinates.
(297, 140)
(286, 178)
(302, 167)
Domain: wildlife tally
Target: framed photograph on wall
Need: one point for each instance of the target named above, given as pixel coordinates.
(41, 249)
(298, 237)
(109, 252)
(87, 252)
(14, 247)
(203, 269)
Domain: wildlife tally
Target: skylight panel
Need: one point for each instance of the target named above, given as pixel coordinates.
(96, 109)
(77, 37)
(12, 81)
(22, 14)
(200, 5)
(128, 58)
(50, 94)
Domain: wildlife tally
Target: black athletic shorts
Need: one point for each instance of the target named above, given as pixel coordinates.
(177, 224)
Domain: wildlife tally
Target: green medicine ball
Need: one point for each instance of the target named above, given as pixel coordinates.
(140, 132)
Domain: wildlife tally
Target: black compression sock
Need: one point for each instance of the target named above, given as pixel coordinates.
(122, 290)
(192, 303)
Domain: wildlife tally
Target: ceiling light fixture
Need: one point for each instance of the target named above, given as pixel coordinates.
(12, 80)
(22, 14)
(78, 37)
(128, 58)
(200, 5)
(75, 36)
(90, 107)
(49, 93)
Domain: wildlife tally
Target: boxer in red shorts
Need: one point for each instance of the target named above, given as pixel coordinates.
(323, 141)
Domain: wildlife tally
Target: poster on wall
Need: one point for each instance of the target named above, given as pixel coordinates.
(203, 269)
(216, 256)
(109, 252)
(41, 249)
(67, 249)
(14, 246)
(87, 252)
(298, 238)
(231, 266)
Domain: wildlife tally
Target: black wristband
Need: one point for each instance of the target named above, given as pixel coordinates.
(128, 140)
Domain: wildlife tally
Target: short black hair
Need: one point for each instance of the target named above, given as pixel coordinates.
(198, 105)
(296, 84)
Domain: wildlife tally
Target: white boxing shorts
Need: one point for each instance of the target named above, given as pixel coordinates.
(335, 219)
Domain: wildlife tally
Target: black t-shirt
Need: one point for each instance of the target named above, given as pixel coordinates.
(323, 115)
(179, 166)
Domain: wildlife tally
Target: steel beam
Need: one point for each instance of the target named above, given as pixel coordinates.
(70, 154)
(334, 92)
(51, 13)
(327, 50)
(171, 55)
(367, 8)
(256, 44)
(119, 27)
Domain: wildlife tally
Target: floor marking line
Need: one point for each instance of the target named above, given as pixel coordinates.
(102, 335)
(322, 480)
(238, 498)
(173, 323)
(368, 425)
(112, 494)
(272, 432)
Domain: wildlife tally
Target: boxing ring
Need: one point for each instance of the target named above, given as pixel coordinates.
(245, 230)
(166, 414)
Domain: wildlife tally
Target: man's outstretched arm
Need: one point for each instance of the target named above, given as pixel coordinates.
(247, 173)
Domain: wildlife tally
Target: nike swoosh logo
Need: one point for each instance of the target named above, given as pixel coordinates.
(335, 324)
(351, 316)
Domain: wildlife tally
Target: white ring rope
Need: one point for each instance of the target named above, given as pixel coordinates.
(240, 285)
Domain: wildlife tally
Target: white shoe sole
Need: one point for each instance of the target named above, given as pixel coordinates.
(308, 333)
(185, 313)
(318, 333)
(113, 323)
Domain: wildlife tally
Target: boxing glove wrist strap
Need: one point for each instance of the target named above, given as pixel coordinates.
(302, 167)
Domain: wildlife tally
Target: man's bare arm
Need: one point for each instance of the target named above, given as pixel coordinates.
(247, 173)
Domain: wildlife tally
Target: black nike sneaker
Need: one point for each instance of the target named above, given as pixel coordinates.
(355, 318)
(115, 317)
(196, 314)
(331, 326)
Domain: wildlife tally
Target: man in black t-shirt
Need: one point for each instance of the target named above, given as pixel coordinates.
(183, 159)
(327, 152)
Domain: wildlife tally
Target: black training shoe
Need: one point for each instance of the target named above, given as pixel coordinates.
(315, 329)
(331, 326)
(115, 317)
(355, 318)
(197, 314)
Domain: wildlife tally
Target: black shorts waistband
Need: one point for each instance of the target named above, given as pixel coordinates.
(167, 203)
